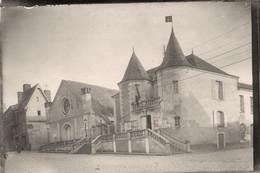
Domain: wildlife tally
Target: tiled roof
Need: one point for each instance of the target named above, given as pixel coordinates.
(135, 70)
(102, 102)
(173, 55)
(244, 86)
(199, 63)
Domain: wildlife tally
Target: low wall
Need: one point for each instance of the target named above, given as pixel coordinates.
(138, 145)
(124, 143)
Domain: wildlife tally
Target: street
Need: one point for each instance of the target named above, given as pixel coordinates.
(33, 162)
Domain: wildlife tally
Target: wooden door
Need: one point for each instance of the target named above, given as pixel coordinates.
(221, 141)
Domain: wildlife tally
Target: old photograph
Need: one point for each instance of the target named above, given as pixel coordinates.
(136, 87)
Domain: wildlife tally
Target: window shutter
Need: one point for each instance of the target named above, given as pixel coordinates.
(213, 89)
(223, 91)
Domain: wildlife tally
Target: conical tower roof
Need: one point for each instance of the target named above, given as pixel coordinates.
(174, 55)
(135, 70)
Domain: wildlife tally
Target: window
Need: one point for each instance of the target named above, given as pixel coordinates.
(175, 87)
(177, 121)
(220, 120)
(39, 113)
(134, 124)
(219, 90)
(251, 104)
(37, 99)
(155, 122)
(242, 106)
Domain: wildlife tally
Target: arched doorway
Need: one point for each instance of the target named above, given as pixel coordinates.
(67, 132)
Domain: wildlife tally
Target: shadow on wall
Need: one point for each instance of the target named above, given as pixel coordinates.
(195, 123)
(190, 111)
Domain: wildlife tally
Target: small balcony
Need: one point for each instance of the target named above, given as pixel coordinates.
(146, 104)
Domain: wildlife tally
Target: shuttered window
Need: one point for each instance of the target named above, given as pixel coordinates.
(242, 104)
(217, 90)
(220, 119)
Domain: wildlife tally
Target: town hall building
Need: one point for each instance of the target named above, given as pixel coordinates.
(185, 96)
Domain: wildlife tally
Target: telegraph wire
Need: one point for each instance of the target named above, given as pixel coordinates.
(206, 60)
(230, 56)
(214, 38)
(219, 68)
(223, 45)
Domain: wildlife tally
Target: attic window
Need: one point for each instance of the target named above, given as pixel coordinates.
(37, 99)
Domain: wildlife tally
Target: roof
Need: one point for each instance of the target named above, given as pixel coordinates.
(102, 102)
(199, 63)
(135, 70)
(27, 94)
(244, 86)
(173, 55)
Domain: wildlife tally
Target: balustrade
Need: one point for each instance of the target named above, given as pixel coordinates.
(176, 142)
(107, 137)
(157, 137)
(151, 103)
(138, 133)
(121, 135)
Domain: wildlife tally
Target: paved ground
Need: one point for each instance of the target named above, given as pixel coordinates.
(33, 162)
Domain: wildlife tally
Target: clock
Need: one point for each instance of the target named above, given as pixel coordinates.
(66, 106)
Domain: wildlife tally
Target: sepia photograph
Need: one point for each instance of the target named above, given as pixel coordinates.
(136, 87)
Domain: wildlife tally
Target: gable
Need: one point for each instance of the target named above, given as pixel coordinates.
(102, 104)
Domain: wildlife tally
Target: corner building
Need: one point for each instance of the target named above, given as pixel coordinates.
(185, 96)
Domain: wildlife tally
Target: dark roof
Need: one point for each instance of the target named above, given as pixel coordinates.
(244, 86)
(199, 63)
(173, 55)
(102, 102)
(135, 70)
(27, 94)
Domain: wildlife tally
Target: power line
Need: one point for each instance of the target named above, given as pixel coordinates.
(221, 35)
(219, 67)
(206, 60)
(231, 56)
(224, 45)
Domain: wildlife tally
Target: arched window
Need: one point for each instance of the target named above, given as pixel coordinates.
(221, 119)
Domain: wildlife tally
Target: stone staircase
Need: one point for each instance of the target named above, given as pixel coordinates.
(177, 145)
(149, 142)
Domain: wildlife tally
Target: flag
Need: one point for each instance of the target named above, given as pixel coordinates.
(168, 19)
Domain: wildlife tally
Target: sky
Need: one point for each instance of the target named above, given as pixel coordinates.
(93, 43)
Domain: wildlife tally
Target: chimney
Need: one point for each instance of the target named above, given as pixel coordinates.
(48, 94)
(86, 99)
(19, 96)
(26, 87)
(47, 109)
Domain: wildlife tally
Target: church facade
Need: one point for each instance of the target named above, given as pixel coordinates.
(185, 95)
(80, 110)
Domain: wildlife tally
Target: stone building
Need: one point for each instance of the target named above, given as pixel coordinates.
(245, 93)
(25, 122)
(185, 95)
(80, 110)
